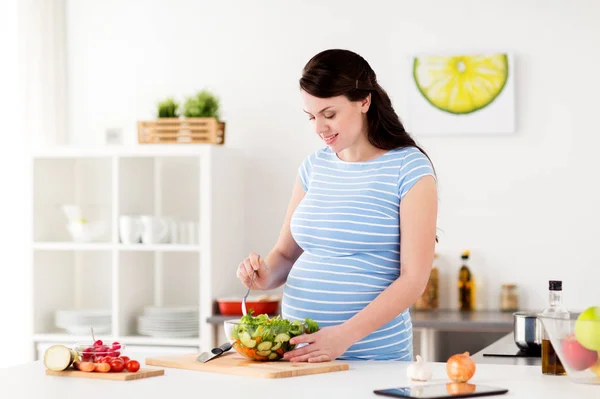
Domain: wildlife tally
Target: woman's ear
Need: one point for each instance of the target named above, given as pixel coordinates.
(365, 103)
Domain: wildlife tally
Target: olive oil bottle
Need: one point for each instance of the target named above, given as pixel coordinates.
(551, 364)
(466, 284)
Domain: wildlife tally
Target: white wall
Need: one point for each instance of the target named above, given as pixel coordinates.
(526, 205)
(15, 299)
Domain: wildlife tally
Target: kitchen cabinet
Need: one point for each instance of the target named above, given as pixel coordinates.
(88, 266)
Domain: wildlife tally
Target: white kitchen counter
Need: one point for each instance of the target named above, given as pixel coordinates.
(30, 381)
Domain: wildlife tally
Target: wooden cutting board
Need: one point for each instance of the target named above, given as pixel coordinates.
(123, 376)
(234, 363)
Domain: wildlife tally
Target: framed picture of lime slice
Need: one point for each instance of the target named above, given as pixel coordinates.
(470, 93)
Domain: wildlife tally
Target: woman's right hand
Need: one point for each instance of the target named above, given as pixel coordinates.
(251, 263)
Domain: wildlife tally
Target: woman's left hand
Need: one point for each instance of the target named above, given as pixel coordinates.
(323, 346)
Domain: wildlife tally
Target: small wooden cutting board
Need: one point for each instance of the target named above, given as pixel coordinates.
(234, 363)
(123, 376)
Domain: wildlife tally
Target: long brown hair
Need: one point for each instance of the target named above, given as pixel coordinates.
(339, 72)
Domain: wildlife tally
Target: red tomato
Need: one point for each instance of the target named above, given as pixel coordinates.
(117, 365)
(133, 366)
(125, 359)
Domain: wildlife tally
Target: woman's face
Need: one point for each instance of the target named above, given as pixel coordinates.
(339, 122)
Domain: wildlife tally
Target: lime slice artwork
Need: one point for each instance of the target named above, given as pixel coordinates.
(461, 84)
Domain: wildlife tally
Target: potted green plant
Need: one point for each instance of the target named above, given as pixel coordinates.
(199, 123)
(168, 108)
(203, 105)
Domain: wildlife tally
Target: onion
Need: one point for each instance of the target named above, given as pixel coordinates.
(460, 388)
(58, 358)
(460, 367)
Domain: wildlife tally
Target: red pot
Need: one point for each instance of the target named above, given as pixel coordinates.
(233, 307)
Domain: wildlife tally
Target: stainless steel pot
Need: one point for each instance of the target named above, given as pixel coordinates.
(528, 331)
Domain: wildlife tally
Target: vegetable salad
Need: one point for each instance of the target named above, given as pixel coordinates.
(264, 339)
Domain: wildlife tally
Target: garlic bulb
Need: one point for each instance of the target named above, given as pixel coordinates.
(418, 371)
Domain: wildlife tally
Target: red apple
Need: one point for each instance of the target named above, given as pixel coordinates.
(576, 356)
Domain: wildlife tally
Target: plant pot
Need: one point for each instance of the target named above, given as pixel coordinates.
(181, 131)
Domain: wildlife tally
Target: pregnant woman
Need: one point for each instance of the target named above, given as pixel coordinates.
(358, 240)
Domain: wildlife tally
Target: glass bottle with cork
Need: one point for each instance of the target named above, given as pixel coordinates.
(466, 284)
(551, 364)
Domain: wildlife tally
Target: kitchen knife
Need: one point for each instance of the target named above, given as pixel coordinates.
(215, 352)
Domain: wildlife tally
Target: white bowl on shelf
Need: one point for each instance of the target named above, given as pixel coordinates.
(80, 322)
(86, 231)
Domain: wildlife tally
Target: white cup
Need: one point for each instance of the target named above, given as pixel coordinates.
(130, 229)
(173, 236)
(188, 233)
(155, 229)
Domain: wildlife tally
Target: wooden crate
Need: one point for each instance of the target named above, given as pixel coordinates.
(181, 131)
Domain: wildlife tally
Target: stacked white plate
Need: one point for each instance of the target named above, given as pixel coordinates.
(169, 322)
(80, 322)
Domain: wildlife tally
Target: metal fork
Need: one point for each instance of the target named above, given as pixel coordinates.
(246, 296)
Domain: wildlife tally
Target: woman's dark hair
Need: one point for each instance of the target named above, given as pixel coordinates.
(336, 72)
(339, 72)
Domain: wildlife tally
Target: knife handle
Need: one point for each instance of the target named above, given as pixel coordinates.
(223, 348)
(226, 346)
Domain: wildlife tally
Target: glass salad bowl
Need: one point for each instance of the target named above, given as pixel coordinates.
(262, 338)
(94, 352)
(576, 342)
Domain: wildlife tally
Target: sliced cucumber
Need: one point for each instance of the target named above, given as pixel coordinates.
(263, 353)
(258, 332)
(282, 337)
(273, 356)
(276, 346)
(247, 341)
(264, 346)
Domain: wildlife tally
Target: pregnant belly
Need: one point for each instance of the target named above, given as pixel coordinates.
(393, 341)
(329, 294)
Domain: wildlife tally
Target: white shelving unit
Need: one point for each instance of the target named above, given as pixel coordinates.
(201, 184)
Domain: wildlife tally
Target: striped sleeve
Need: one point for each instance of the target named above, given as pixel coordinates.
(415, 166)
(305, 172)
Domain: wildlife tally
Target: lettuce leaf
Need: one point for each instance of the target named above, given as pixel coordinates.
(268, 328)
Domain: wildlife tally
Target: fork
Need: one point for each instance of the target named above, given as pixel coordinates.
(246, 296)
(248, 292)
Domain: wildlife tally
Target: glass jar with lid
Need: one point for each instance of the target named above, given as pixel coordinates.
(509, 298)
(429, 300)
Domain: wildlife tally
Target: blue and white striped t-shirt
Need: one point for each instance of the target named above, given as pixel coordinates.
(348, 226)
